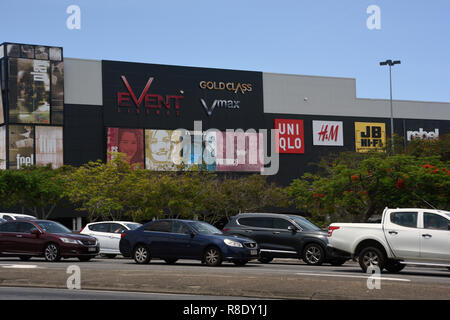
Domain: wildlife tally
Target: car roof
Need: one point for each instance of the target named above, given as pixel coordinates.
(266, 214)
(97, 222)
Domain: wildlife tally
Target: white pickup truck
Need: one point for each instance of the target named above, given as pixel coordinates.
(404, 236)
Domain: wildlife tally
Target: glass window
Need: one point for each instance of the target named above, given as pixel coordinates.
(180, 227)
(405, 219)
(24, 227)
(8, 227)
(53, 227)
(280, 223)
(204, 228)
(133, 226)
(8, 218)
(434, 221)
(305, 224)
(117, 228)
(159, 226)
(99, 227)
(256, 222)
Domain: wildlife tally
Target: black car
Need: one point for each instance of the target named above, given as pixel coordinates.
(284, 236)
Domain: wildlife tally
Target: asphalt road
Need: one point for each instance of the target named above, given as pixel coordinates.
(283, 278)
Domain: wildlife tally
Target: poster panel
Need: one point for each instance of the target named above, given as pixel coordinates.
(162, 149)
(21, 146)
(49, 146)
(2, 115)
(3, 147)
(239, 151)
(29, 91)
(290, 136)
(127, 141)
(57, 94)
(328, 133)
(369, 136)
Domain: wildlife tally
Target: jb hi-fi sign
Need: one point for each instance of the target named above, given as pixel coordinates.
(146, 101)
(290, 136)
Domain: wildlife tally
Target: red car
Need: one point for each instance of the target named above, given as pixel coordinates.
(44, 238)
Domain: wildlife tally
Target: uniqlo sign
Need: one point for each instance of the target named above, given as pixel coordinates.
(290, 138)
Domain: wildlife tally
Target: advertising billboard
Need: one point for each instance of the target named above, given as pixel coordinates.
(163, 148)
(328, 133)
(3, 147)
(49, 146)
(57, 93)
(29, 91)
(2, 115)
(127, 141)
(21, 146)
(369, 136)
(138, 95)
(239, 151)
(290, 137)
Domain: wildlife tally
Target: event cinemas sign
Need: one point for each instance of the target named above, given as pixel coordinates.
(147, 102)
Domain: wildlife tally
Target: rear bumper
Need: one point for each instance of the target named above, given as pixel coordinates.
(333, 253)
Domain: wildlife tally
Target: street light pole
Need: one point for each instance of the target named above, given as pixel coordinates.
(391, 63)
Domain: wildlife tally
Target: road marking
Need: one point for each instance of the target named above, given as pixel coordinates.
(345, 276)
(19, 266)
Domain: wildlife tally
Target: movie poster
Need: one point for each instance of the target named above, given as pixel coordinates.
(49, 146)
(21, 146)
(29, 91)
(3, 147)
(239, 152)
(57, 100)
(163, 150)
(127, 141)
(2, 115)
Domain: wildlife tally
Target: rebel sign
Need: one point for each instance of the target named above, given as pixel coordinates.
(290, 137)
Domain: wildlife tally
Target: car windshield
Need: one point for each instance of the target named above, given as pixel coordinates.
(133, 226)
(204, 228)
(53, 227)
(305, 224)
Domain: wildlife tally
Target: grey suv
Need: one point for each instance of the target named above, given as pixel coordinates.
(284, 236)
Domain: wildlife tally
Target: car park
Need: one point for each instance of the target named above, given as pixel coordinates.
(44, 238)
(16, 216)
(171, 239)
(419, 237)
(284, 236)
(108, 234)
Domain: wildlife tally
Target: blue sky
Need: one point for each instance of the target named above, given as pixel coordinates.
(322, 37)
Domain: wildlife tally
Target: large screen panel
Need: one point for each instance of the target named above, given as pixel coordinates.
(162, 149)
(29, 91)
(129, 142)
(49, 146)
(21, 146)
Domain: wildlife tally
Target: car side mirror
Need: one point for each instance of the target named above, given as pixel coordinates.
(192, 234)
(292, 229)
(36, 232)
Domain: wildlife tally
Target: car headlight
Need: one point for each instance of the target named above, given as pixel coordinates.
(232, 243)
(68, 240)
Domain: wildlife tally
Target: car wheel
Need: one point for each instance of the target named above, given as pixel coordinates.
(170, 261)
(240, 262)
(393, 266)
(84, 259)
(141, 254)
(265, 259)
(313, 254)
(371, 256)
(52, 253)
(212, 257)
(25, 258)
(337, 262)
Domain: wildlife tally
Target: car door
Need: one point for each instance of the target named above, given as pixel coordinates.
(7, 236)
(158, 237)
(181, 241)
(26, 242)
(280, 239)
(101, 232)
(115, 232)
(256, 228)
(435, 238)
(402, 234)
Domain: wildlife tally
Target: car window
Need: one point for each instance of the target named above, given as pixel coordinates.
(8, 218)
(180, 227)
(258, 222)
(117, 228)
(100, 227)
(133, 226)
(8, 227)
(434, 221)
(159, 226)
(305, 224)
(405, 219)
(24, 227)
(279, 223)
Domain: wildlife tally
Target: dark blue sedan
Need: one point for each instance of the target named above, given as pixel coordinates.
(171, 240)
